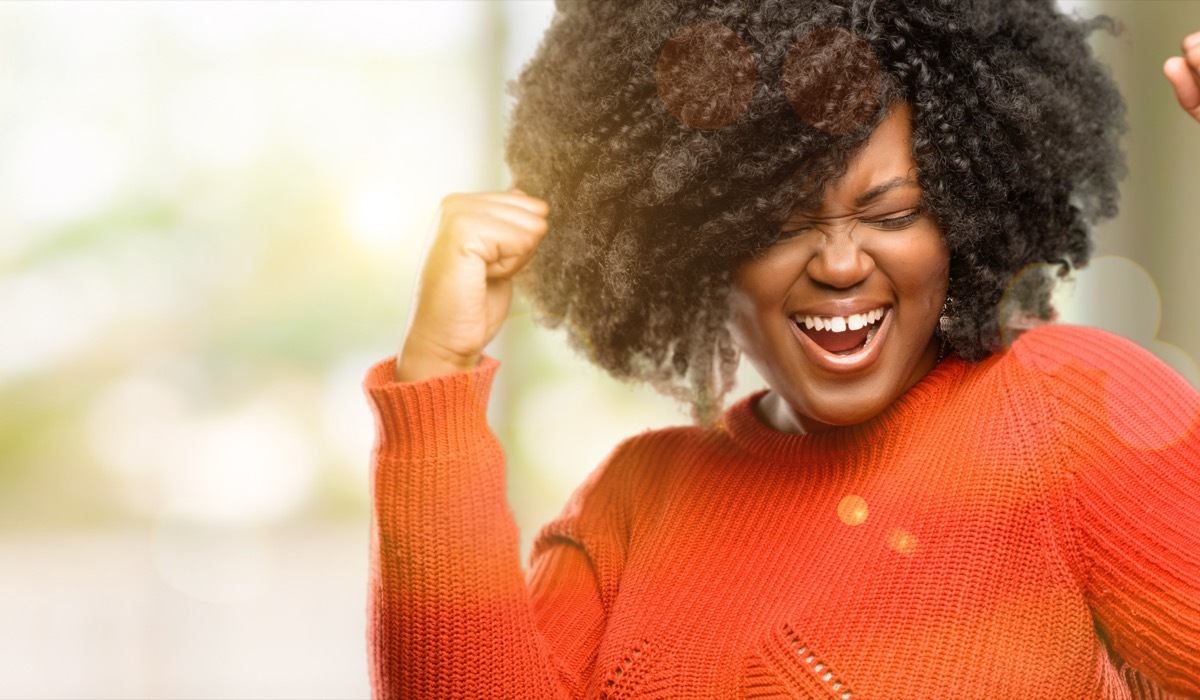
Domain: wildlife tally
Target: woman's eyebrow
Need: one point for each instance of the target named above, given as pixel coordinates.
(866, 197)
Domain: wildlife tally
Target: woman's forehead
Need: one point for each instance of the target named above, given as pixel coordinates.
(884, 166)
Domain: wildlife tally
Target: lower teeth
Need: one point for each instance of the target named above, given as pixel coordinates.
(871, 333)
(866, 341)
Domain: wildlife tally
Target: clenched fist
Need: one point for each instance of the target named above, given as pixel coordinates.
(465, 288)
(1184, 74)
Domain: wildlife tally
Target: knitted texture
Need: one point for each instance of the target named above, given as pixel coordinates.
(1027, 527)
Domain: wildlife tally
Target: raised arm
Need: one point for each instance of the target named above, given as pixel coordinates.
(1128, 431)
(450, 612)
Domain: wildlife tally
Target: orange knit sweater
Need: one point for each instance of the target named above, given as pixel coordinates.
(1028, 527)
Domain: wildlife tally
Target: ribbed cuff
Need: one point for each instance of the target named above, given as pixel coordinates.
(436, 417)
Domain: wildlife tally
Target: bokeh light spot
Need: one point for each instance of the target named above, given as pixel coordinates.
(1113, 293)
(1118, 295)
(852, 510)
(1173, 419)
(375, 214)
(705, 75)
(832, 80)
(902, 542)
(1177, 359)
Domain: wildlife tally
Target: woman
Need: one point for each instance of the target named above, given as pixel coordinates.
(844, 192)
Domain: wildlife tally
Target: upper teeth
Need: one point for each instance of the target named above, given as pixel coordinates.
(838, 324)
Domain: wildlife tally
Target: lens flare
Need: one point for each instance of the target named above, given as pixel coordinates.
(705, 75)
(852, 510)
(832, 80)
(902, 542)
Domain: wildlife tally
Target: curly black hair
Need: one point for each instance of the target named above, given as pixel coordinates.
(671, 138)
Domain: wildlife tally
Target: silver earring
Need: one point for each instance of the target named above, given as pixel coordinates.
(946, 321)
(946, 318)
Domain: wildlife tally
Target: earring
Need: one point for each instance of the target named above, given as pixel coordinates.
(946, 319)
(945, 322)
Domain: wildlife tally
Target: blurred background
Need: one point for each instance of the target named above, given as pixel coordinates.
(211, 216)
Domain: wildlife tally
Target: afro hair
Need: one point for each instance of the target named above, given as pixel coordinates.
(672, 137)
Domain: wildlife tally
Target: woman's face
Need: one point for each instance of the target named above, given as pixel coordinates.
(838, 316)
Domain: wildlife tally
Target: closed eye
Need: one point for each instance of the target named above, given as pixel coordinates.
(796, 229)
(896, 223)
(893, 223)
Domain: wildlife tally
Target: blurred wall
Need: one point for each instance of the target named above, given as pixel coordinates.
(210, 218)
(1158, 227)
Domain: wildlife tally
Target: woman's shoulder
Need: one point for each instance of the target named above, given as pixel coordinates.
(1056, 353)
(1067, 343)
(1101, 380)
(640, 462)
(653, 449)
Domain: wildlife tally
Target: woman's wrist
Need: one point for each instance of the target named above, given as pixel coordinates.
(417, 362)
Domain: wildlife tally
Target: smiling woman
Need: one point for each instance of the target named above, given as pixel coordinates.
(844, 192)
(838, 316)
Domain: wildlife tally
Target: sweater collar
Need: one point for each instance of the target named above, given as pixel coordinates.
(749, 432)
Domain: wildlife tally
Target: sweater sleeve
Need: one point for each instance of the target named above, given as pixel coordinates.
(1129, 435)
(450, 614)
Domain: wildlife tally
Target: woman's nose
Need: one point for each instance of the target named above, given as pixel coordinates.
(840, 261)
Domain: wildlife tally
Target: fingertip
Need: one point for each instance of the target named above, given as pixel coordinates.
(542, 222)
(525, 195)
(1174, 67)
(541, 204)
(1185, 84)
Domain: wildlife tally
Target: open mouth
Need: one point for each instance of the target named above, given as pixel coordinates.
(842, 335)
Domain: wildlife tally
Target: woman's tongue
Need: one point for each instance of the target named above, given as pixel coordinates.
(837, 342)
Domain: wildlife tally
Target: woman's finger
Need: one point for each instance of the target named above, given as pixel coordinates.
(1191, 41)
(518, 198)
(1184, 74)
(503, 244)
(524, 213)
(516, 214)
(1185, 78)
